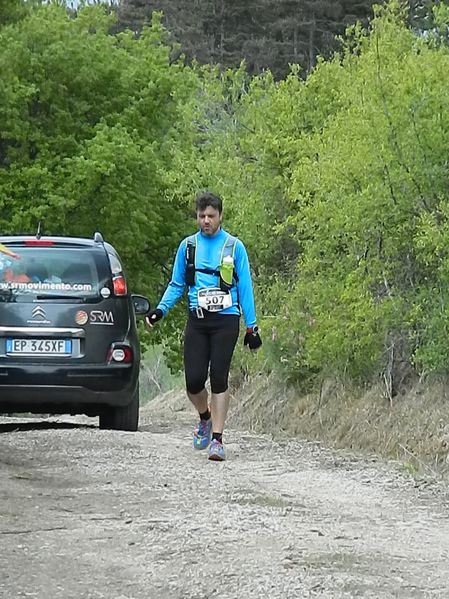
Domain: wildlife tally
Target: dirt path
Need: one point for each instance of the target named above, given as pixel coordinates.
(86, 513)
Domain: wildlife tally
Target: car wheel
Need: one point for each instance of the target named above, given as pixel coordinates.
(122, 418)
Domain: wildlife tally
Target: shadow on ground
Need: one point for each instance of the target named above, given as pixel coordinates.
(12, 427)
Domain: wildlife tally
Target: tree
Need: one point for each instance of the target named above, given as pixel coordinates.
(11, 12)
(266, 34)
(89, 124)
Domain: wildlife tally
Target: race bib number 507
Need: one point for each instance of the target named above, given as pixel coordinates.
(214, 299)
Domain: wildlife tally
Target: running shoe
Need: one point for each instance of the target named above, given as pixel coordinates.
(201, 434)
(216, 451)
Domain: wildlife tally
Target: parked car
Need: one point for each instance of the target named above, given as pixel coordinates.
(68, 335)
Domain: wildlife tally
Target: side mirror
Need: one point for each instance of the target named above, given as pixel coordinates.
(141, 304)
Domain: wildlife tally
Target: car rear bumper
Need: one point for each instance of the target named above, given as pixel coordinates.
(26, 388)
(48, 398)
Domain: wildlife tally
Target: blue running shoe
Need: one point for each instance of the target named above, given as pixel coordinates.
(216, 451)
(202, 433)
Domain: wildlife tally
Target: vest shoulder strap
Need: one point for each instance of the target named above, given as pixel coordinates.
(190, 249)
(228, 247)
(190, 260)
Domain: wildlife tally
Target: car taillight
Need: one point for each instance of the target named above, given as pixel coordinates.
(39, 242)
(119, 353)
(119, 285)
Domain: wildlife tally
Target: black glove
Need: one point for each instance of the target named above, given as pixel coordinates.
(252, 338)
(153, 316)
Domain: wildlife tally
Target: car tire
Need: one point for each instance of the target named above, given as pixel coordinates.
(122, 418)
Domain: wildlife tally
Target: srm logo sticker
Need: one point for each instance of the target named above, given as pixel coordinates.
(101, 317)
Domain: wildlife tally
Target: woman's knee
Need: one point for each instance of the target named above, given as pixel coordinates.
(218, 381)
(195, 385)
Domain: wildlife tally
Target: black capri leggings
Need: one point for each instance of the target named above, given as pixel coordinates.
(209, 341)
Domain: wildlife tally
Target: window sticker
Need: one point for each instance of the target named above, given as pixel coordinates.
(47, 272)
(19, 283)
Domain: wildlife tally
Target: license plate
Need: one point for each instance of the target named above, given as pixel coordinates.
(41, 347)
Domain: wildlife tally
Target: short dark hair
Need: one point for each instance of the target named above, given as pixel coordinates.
(207, 198)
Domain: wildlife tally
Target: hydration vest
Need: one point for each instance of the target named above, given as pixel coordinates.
(227, 250)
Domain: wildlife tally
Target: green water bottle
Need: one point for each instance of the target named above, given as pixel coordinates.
(226, 271)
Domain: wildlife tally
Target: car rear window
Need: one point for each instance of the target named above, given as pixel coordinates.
(49, 271)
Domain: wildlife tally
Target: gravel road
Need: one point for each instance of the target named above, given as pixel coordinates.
(87, 513)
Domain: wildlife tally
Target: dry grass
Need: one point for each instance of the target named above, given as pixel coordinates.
(413, 428)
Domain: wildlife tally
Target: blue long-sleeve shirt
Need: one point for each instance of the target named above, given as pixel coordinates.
(208, 252)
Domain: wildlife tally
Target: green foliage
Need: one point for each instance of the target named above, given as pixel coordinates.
(338, 187)
(11, 12)
(89, 127)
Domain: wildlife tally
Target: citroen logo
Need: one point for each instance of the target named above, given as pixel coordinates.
(38, 311)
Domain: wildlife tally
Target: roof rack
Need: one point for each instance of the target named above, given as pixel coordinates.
(98, 237)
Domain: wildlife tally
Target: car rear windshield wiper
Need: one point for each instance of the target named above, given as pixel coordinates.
(78, 298)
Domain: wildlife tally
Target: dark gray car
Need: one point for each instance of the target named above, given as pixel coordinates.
(68, 336)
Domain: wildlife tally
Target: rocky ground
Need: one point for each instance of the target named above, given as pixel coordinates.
(87, 513)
